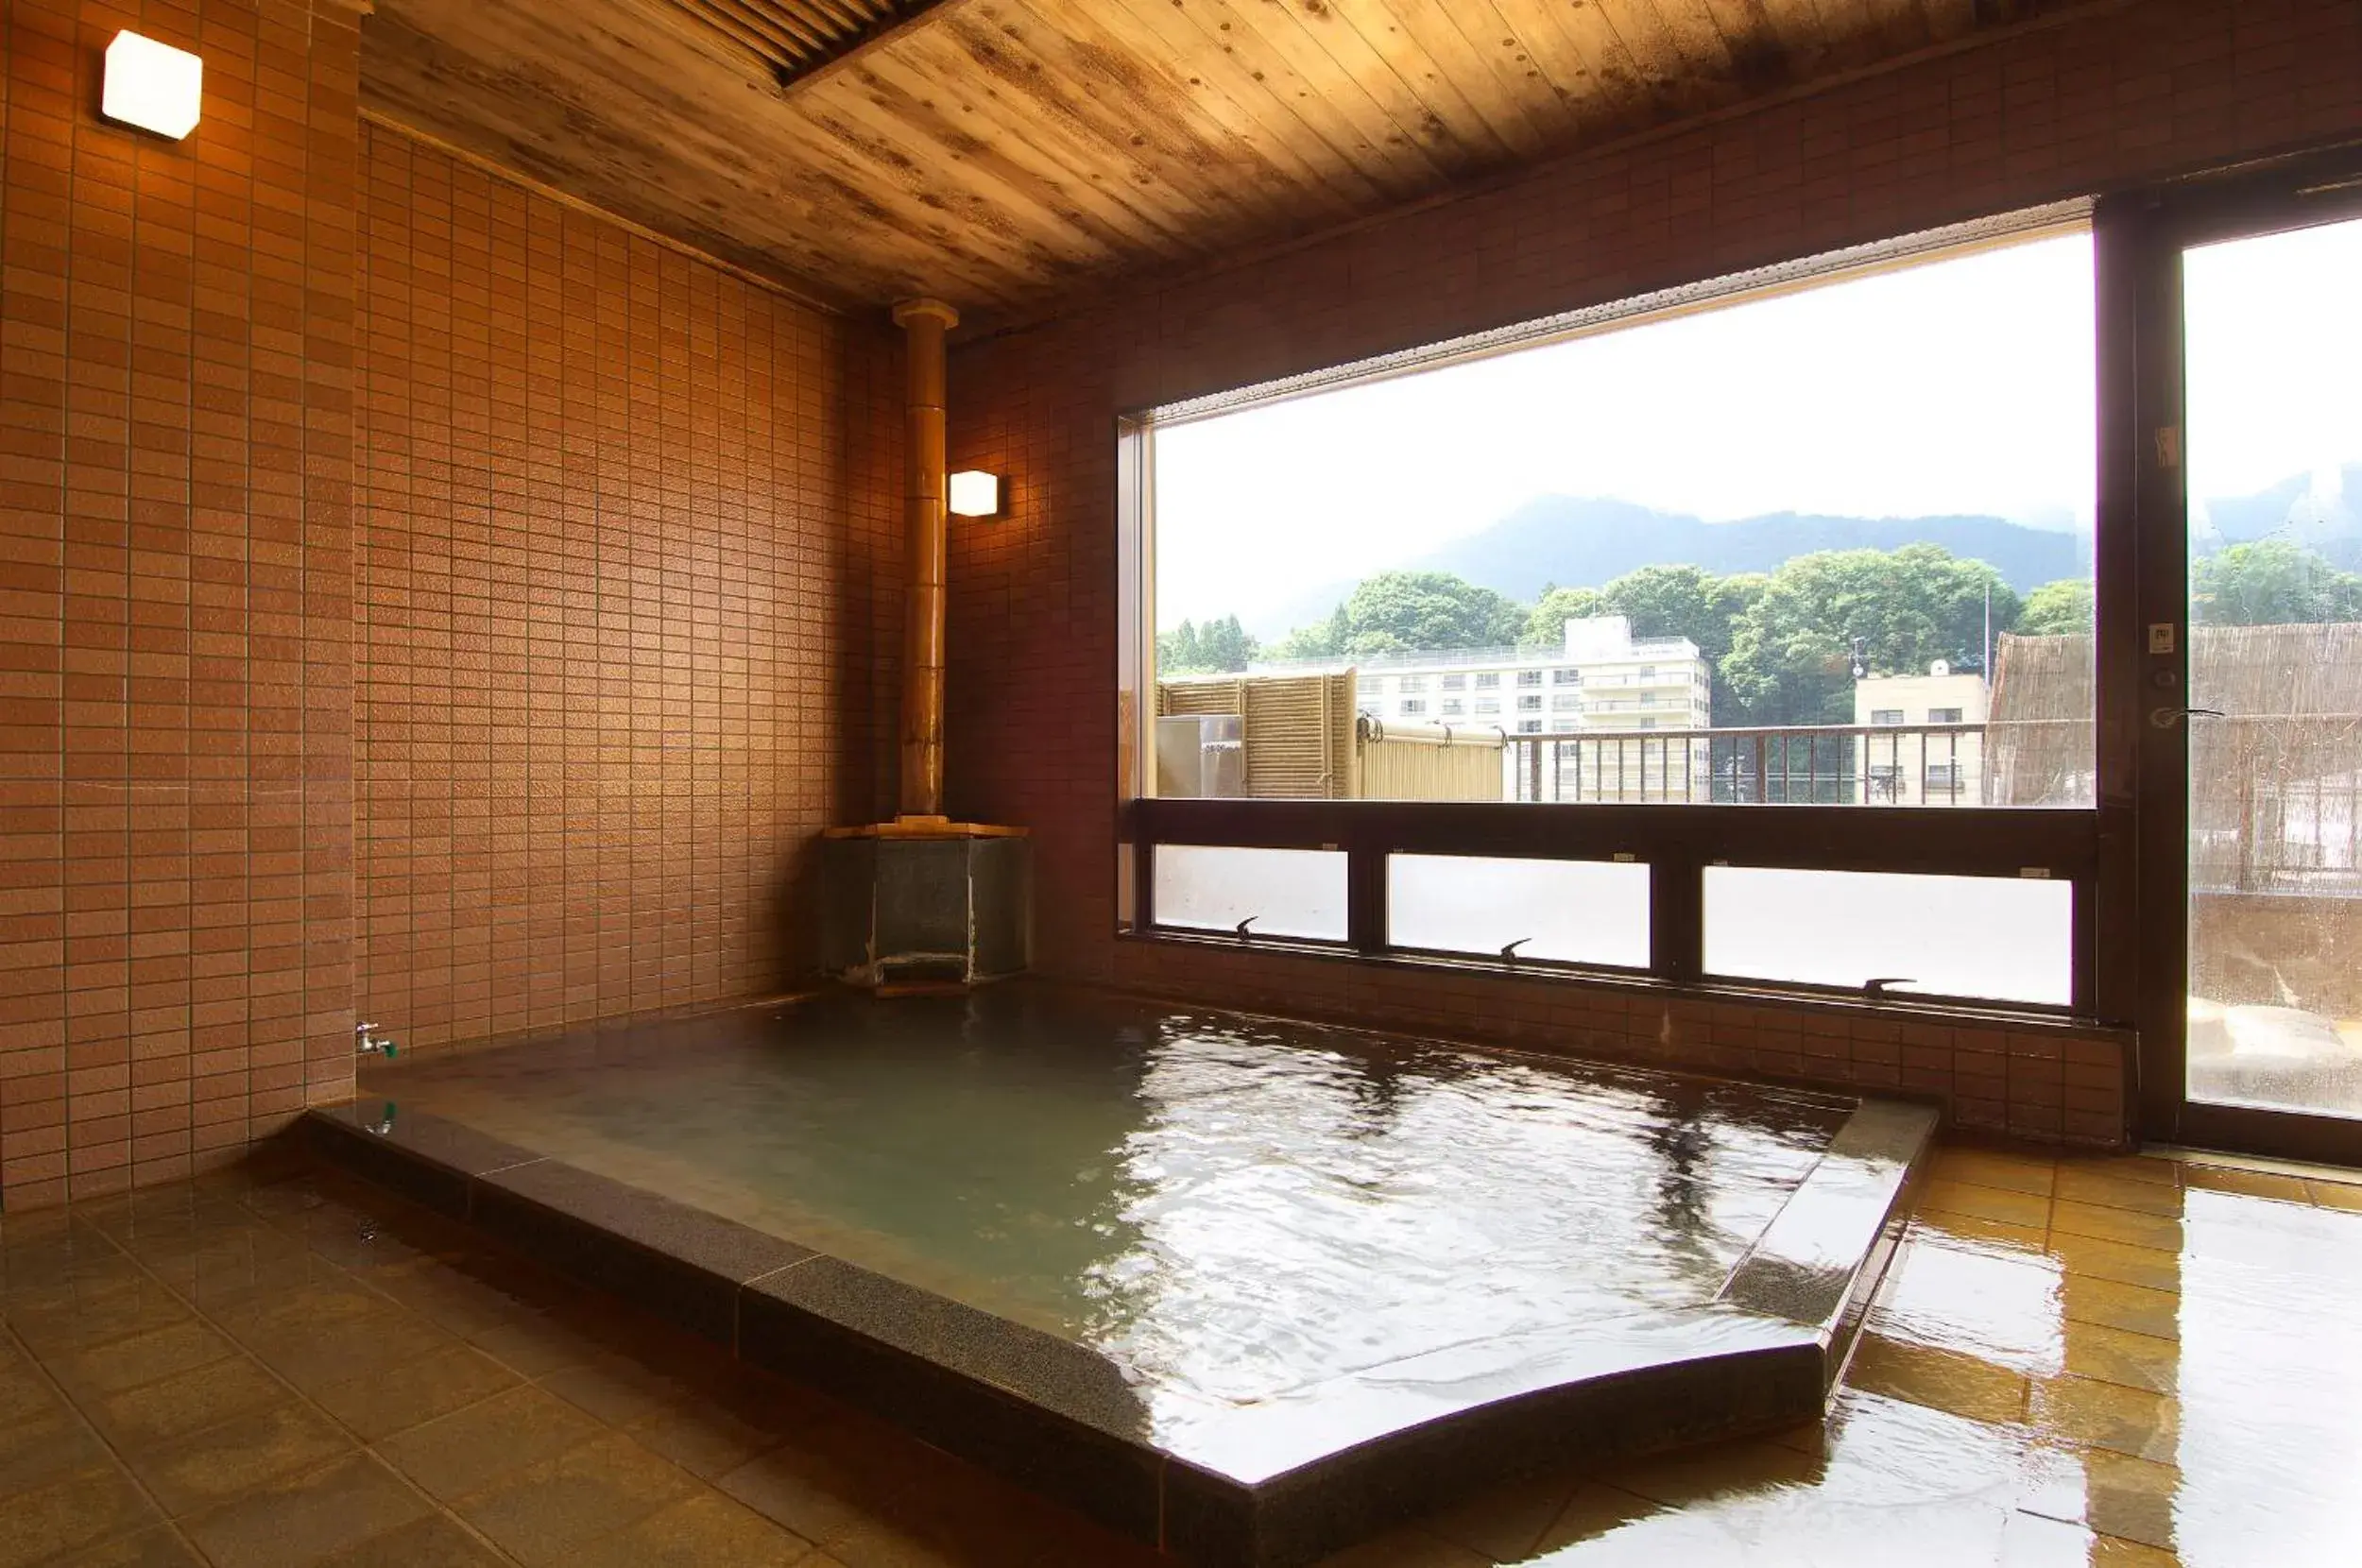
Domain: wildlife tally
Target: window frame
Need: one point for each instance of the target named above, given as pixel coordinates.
(1677, 845)
(2144, 267)
(2087, 845)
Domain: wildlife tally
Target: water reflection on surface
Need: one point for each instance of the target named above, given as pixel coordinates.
(1228, 1209)
(2103, 1363)
(1299, 1213)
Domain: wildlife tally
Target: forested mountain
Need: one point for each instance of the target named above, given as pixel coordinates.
(1571, 542)
(1566, 541)
(1560, 541)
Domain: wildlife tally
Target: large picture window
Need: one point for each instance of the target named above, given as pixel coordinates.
(1818, 541)
(1829, 544)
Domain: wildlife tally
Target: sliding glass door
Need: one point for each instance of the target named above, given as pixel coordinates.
(2266, 734)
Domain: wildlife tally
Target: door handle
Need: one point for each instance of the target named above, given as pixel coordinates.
(2166, 717)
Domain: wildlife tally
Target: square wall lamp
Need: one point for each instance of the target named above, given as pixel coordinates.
(975, 494)
(151, 85)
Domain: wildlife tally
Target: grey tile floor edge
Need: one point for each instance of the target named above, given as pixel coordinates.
(1055, 1417)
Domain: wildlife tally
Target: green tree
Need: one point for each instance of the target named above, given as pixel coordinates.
(2271, 582)
(1218, 648)
(1547, 622)
(1322, 640)
(1674, 600)
(1735, 595)
(1791, 652)
(2063, 608)
(1178, 649)
(1728, 602)
(1399, 612)
(1224, 645)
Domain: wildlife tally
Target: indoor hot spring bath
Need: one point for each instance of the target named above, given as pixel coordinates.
(1242, 1288)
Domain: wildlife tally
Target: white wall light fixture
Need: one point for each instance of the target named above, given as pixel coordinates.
(975, 494)
(151, 85)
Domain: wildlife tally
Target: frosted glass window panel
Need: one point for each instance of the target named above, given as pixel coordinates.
(1299, 892)
(1574, 912)
(2008, 939)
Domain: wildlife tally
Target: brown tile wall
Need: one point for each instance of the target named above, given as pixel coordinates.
(320, 449)
(2123, 95)
(621, 515)
(176, 650)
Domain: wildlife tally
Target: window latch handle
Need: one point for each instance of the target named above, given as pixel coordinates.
(1879, 987)
(1509, 950)
(1243, 925)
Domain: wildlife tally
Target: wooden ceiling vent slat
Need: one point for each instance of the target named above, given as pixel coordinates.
(794, 38)
(788, 43)
(698, 14)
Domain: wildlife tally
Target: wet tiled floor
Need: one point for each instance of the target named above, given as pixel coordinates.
(2129, 1362)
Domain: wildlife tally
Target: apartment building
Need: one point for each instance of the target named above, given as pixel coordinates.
(1599, 677)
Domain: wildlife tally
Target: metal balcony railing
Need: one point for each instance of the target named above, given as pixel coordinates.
(1793, 765)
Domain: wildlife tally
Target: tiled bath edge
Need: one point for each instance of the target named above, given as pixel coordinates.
(1821, 1269)
(1845, 1331)
(1044, 1412)
(1306, 1514)
(1110, 1474)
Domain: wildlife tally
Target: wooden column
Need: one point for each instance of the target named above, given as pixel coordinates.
(924, 322)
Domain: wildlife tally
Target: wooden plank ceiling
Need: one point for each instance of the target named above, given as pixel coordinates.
(1000, 152)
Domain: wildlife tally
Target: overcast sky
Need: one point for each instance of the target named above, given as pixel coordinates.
(2273, 346)
(1960, 385)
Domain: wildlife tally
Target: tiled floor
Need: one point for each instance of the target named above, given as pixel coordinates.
(2110, 1362)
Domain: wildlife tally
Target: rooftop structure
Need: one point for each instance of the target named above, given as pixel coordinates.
(1924, 762)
